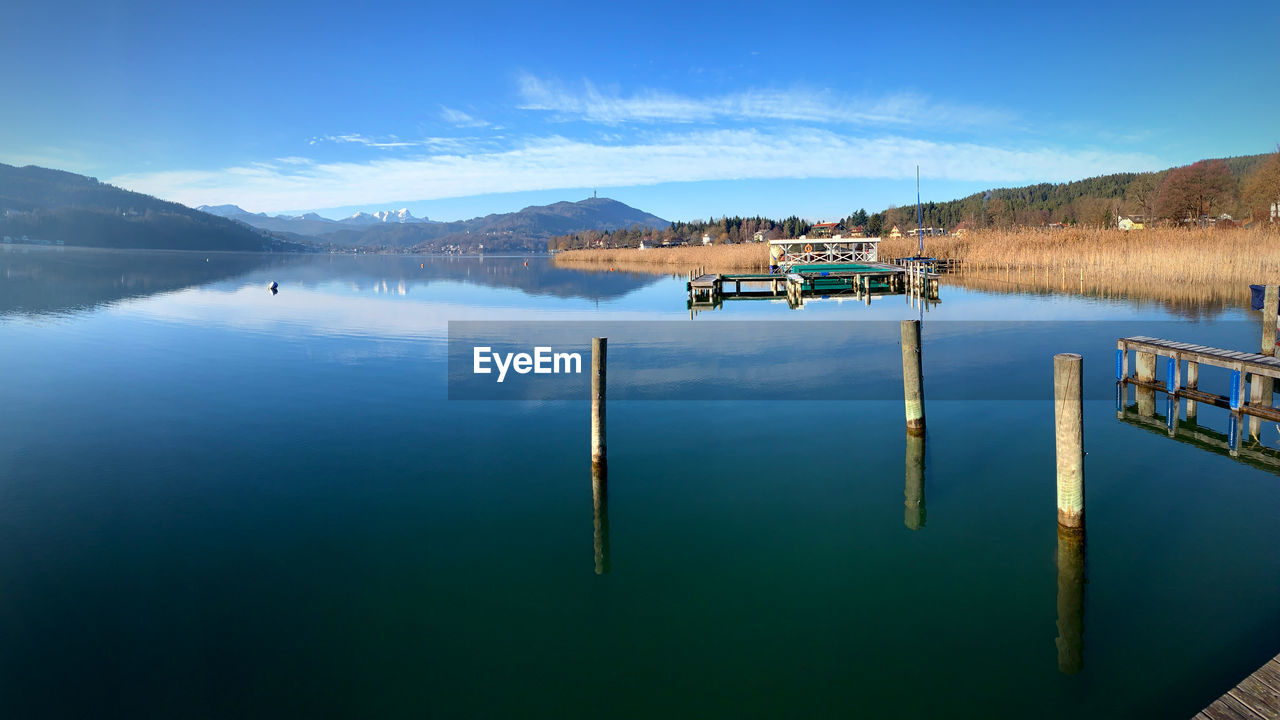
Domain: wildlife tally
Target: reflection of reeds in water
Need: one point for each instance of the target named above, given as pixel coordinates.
(914, 515)
(600, 516)
(1070, 640)
(1205, 269)
(1180, 298)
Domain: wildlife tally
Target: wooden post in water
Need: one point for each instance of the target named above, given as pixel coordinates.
(1147, 373)
(1068, 401)
(1193, 382)
(912, 380)
(914, 513)
(1070, 640)
(600, 516)
(599, 347)
(1262, 389)
(1270, 310)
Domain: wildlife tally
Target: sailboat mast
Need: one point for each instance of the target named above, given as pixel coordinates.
(919, 215)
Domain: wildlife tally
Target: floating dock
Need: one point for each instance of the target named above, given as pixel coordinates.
(807, 282)
(806, 269)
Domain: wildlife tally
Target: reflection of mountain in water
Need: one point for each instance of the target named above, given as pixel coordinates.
(37, 280)
(51, 280)
(540, 277)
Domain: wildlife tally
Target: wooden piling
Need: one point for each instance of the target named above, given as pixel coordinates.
(599, 347)
(912, 380)
(1146, 395)
(1262, 389)
(1193, 382)
(1068, 400)
(1270, 309)
(914, 512)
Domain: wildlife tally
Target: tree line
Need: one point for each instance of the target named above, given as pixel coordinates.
(1242, 187)
(1236, 186)
(723, 230)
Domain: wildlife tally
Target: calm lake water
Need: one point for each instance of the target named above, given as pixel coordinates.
(219, 502)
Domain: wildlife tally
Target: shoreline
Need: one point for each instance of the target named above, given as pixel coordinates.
(1182, 266)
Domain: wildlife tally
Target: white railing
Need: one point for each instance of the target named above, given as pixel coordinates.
(783, 254)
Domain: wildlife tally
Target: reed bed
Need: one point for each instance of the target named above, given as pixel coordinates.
(1184, 268)
(1199, 268)
(715, 258)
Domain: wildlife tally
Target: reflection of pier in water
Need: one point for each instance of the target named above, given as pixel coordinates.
(1189, 431)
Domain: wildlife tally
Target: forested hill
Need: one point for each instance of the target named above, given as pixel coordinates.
(53, 206)
(1092, 201)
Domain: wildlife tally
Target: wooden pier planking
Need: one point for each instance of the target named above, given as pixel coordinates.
(1230, 359)
(1248, 365)
(1257, 697)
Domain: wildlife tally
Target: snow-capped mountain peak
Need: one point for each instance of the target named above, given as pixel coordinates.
(383, 216)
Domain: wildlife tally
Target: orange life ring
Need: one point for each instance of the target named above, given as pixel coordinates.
(808, 248)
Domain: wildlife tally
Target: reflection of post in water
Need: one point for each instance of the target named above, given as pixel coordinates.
(1070, 640)
(1145, 394)
(600, 516)
(915, 513)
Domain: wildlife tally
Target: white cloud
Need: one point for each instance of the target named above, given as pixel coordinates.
(792, 105)
(557, 162)
(461, 119)
(392, 142)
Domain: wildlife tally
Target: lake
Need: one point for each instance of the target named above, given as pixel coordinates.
(220, 502)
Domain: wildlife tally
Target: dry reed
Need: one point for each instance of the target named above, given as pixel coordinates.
(719, 258)
(1184, 268)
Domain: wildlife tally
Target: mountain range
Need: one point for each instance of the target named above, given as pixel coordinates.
(47, 206)
(525, 230)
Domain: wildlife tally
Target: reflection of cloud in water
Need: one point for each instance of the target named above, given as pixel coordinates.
(297, 311)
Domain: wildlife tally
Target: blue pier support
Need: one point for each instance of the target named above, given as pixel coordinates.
(1119, 364)
(1170, 384)
(1235, 391)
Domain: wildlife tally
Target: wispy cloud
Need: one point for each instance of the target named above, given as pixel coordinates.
(458, 118)
(391, 142)
(589, 103)
(557, 162)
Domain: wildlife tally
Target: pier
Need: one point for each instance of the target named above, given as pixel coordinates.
(1257, 697)
(806, 269)
(1245, 368)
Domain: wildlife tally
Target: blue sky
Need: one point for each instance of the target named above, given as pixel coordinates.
(682, 109)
